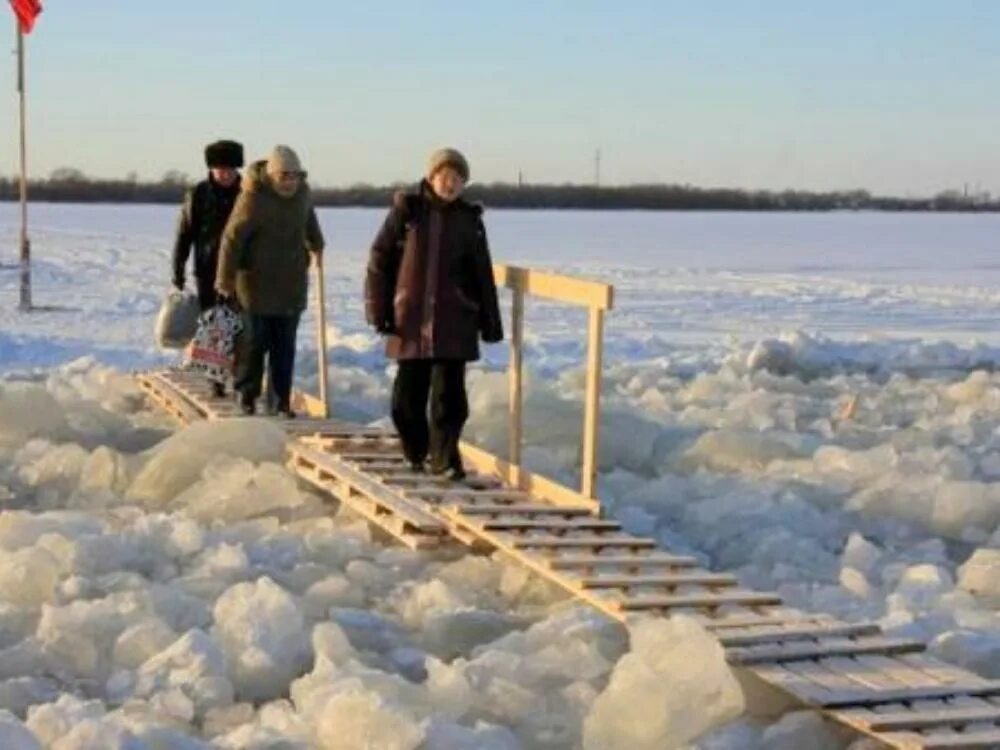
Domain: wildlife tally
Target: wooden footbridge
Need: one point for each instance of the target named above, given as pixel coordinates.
(852, 673)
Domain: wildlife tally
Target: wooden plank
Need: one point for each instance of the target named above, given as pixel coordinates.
(548, 524)
(759, 635)
(515, 371)
(323, 407)
(370, 456)
(727, 622)
(466, 496)
(505, 544)
(924, 694)
(699, 599)
(173, 405)
(625, 562)
(592, 403)
(702, 578)
(928, 719)
(537, 486)
(555, 287)
(582, 542)
(177, 399)
(402, 476)
(806, 688)
(860, 669)
(799, 651)
(985, 739)
(522, 509)
(351, 432)
(941, 671)
(325, 462)
(876, 698)
(375, 512)
(937, 716)
(388, 465)
(835, 683)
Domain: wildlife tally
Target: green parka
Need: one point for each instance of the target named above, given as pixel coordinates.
(264, 257)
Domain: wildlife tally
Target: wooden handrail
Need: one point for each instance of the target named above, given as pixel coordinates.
(598, 298)
(593, 294)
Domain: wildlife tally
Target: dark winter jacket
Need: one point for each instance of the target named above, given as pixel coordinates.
(265, 248)
(203, 217)
(430, 279)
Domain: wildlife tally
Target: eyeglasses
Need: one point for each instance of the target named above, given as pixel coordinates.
(289, 176)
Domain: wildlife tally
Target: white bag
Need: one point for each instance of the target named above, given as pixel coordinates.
(213, 348)
(178, 320)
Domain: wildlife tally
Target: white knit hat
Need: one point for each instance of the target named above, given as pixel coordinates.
(283, 159)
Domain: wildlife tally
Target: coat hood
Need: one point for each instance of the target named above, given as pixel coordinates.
(256, 180)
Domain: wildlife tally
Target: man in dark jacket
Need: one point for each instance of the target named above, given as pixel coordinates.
(204, 215)
(429, 288)
(263, 269)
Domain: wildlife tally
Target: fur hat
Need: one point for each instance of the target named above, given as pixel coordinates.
(448, 157)
(283, 159)
(224, 154)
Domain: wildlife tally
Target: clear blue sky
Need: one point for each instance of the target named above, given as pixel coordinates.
(893, 95)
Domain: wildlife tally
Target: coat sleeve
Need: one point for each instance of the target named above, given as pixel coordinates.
(490, 321)
(184, 239)
(314, 235)
(383, 268)
(235, 237)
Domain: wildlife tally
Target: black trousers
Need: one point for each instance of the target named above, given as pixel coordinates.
(443, 381)
(273, 337)
(206, 296)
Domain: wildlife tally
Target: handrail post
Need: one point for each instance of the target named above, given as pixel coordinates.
(595, 358)
(515, 373)
(324, 393)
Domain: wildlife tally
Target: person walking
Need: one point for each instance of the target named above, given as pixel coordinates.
(204, 214)
(429, 290)
(263, 270)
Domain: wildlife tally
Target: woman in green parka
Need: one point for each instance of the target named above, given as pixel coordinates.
(263, 269)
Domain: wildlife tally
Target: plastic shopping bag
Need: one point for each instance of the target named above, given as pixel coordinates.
(178, 320)
(212, 350)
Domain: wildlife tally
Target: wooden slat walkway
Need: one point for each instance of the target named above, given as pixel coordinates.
(852, 673)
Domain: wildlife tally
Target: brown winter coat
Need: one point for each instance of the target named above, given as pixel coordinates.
(430, 279)
(265, 249)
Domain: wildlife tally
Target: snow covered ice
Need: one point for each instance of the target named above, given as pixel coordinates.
(828, 432)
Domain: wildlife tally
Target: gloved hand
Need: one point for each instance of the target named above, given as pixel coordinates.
(493, 334)
(385, 328)
(228, 300)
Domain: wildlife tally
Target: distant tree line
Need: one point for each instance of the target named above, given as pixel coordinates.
(69, 185)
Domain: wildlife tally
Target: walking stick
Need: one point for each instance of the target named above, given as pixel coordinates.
(324, 393)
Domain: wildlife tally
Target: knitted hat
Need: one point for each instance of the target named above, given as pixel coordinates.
(224, 154)
(283, 159)
(448, 157)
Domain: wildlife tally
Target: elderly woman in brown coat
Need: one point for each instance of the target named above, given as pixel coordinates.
(429, 289)
(263, 269)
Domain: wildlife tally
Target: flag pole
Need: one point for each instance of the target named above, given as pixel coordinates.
(25, 243)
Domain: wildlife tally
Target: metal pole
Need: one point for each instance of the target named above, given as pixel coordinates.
(25, 244)
(324, 392)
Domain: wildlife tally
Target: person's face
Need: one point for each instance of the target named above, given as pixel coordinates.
(447, 184)
(225, 176)
(287, 183)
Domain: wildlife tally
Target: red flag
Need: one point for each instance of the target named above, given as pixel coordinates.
(26, 11)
